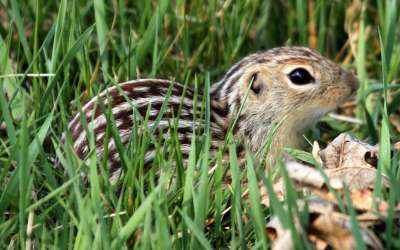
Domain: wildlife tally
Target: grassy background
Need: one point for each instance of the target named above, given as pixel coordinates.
(86, 46)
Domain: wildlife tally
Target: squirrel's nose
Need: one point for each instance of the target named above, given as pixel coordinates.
(352, 80)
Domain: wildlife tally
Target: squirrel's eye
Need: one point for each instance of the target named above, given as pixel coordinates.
(300, 76)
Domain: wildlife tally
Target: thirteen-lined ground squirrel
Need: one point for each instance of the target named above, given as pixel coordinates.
(295, 82)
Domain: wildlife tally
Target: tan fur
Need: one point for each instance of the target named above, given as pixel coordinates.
(303, 106)
(273, 96)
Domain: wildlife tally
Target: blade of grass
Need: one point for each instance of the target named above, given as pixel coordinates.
(21, 31)
(10, 82)
(355, 228)
(197, 232)
(360, 62)
(301, 19)
(137, 217)
(95, 189)
(218, 201)
(299, 154)
(390, 217)
(30, 156)
(371, 128)
(203, 196)
(149, 34)
(255, 202)
(292, 210)
(80, 42)
(62, 12)
(24, 171)
(102, 31)
(155, 52)
(7, 117)
(187, 203)
(384, 145)
(391, 33)
(236, 211)
(249, 25)
(132, 57)
(51, 196)
(275, 204)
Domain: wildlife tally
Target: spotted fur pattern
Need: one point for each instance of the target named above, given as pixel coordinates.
(272, 97)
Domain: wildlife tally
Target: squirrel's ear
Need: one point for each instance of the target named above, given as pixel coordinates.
(258, 87)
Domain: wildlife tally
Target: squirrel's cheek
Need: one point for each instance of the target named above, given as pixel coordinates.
(337, 96)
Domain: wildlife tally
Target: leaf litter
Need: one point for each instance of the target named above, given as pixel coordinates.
(344, 163)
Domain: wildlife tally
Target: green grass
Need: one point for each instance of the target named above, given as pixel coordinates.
(193, 42)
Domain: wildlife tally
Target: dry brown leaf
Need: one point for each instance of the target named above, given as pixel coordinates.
(282, 238)
(397, 146)
(284, 242)
(360, 180)
(358, 177)
(327, 227)
(274, 228)
(362, 200)
(368, 219)
(319, 243)
(335, 228)
(345, 163)
(335, 234)
(315, 152)
(278, 189)
(352, 153)
(317, 205)
(305, 176)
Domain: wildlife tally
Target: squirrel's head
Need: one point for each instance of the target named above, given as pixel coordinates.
(293, 82)
(296, 82)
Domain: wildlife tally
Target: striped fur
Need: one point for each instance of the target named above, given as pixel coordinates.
(272, 97)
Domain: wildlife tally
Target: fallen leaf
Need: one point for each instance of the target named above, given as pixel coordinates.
(359, 180)
(278, 189)
(315, 152)
(368, 219)
(352, 153)
(317, 205)
(281, 237)
(397, 146)
(284, 242)
(362, 200)
(326, 227)
(305, 176)
(358, 176)
(335, 228)
(274, 228)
